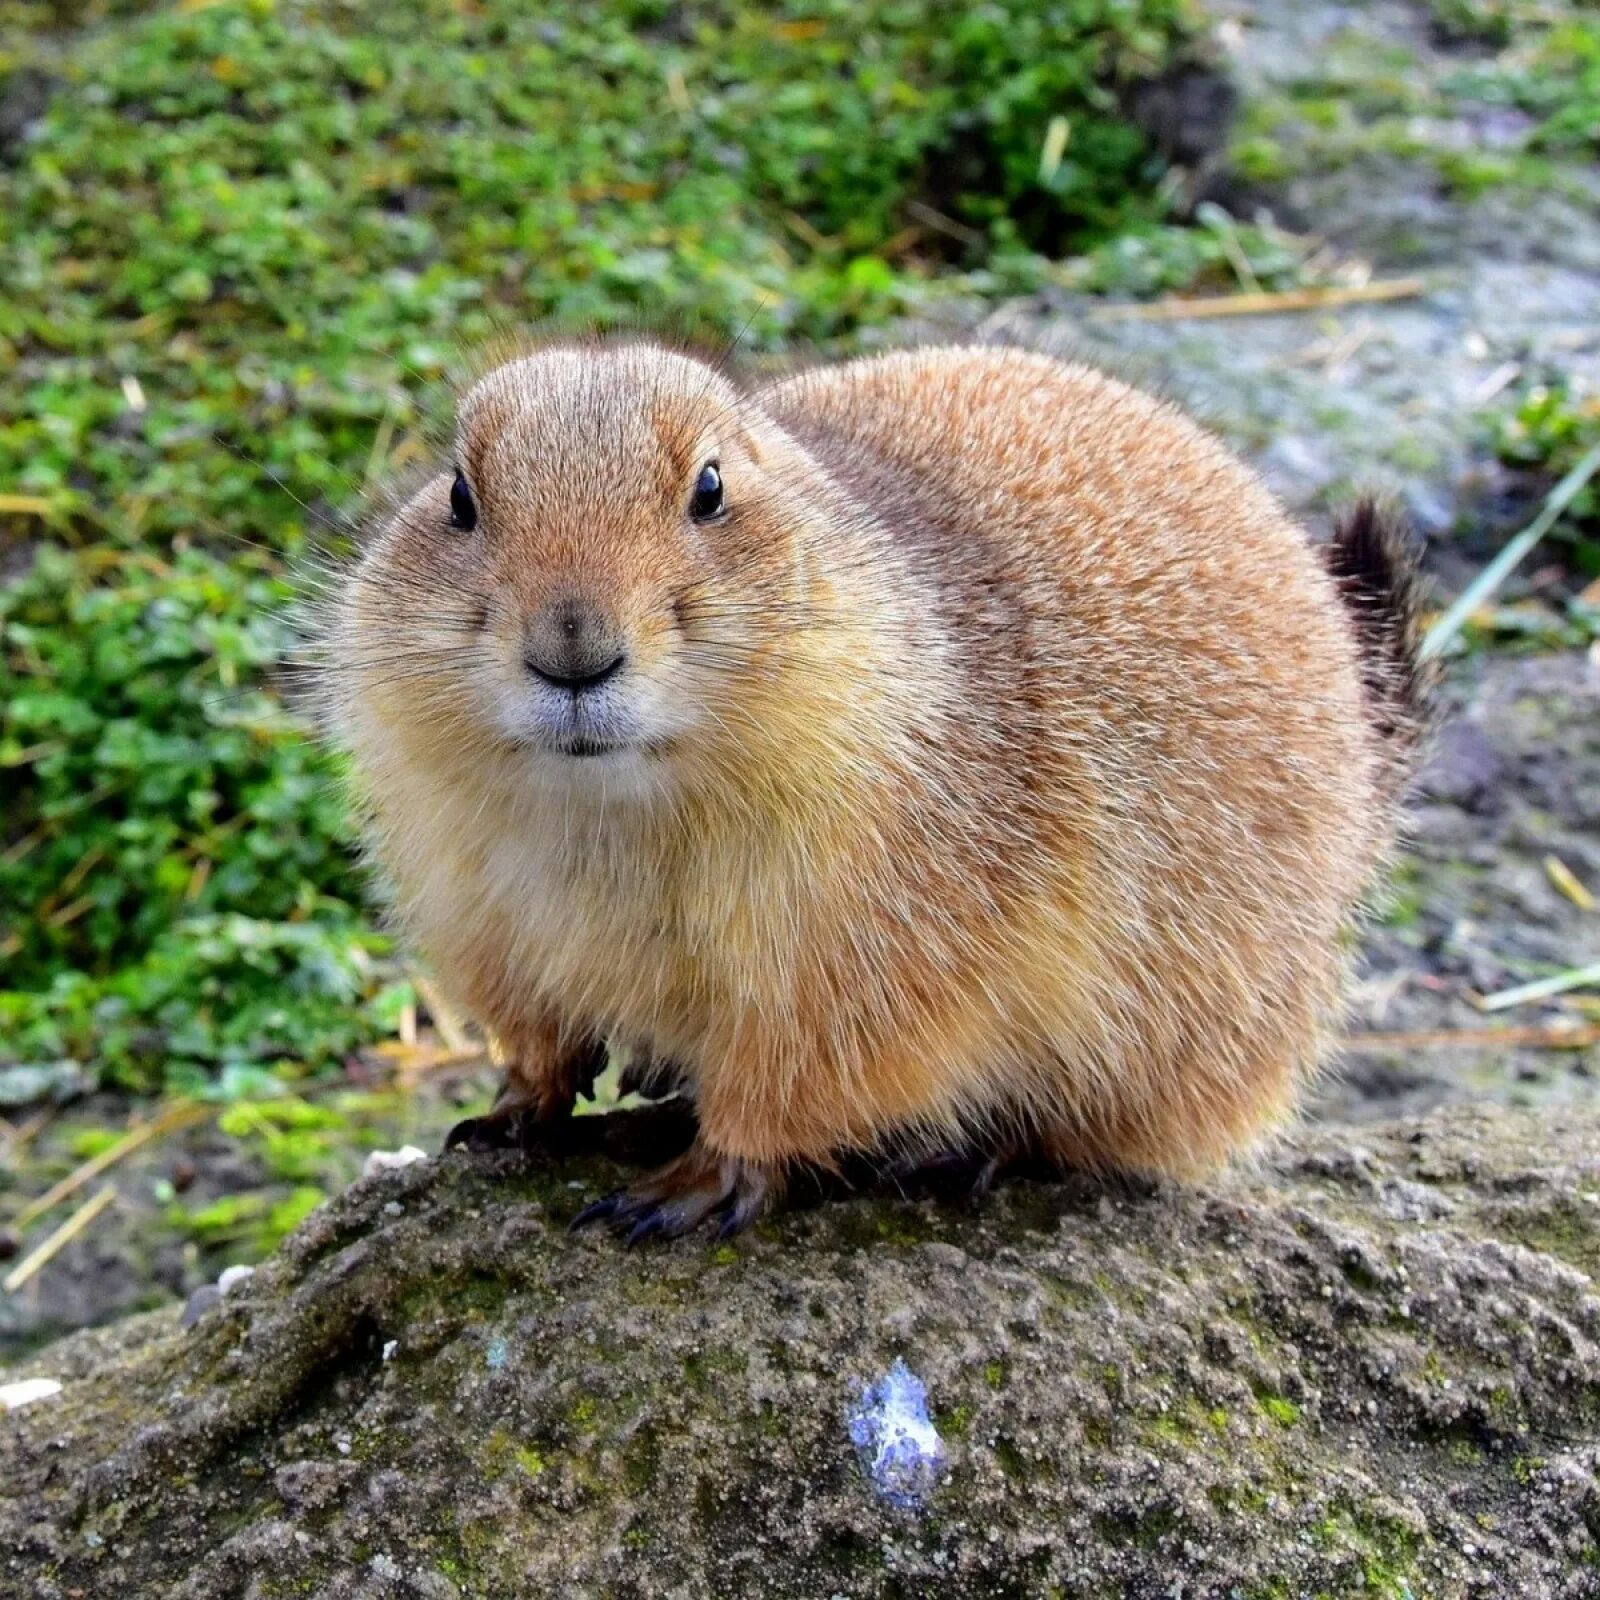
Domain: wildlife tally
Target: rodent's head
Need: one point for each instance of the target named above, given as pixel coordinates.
(608, 559)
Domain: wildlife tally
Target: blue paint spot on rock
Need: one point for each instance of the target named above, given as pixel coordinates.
(497, 1354)
(900, 1448)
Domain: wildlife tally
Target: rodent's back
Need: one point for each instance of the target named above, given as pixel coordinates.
(1160, 647)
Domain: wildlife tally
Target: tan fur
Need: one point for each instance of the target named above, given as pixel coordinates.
(1003, 765)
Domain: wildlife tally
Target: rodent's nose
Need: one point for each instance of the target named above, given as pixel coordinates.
(573, 646)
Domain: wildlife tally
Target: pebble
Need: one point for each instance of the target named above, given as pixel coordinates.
(200, 1302)
(389, 1160)
(14, 1396)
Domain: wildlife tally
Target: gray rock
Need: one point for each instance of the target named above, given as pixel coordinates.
(1373, 1365)
(33, 1081)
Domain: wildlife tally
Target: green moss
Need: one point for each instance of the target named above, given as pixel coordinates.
(641, 1459)
(1171, 1429)
(1283, 1412)
(1386, 1547)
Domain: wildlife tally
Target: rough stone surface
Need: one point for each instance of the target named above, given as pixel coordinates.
(1370, 1366)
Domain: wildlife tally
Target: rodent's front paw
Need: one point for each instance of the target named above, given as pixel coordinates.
(515, 1128)
(677, 1198)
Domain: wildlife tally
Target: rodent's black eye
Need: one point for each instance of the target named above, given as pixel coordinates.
(706, 502)
(463, 508)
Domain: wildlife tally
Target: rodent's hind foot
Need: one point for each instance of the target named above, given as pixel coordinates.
(678, 1197)
(952, 1175)
(960, 1172)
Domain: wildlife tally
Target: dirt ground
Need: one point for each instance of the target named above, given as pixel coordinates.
(1386, 396)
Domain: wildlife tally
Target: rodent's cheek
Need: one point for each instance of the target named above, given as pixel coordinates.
(666, 707)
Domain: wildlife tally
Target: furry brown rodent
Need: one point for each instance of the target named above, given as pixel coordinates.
(952, 749)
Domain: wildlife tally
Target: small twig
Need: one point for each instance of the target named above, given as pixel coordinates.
(940, 223)
(1254, 305)
(1568, 882)
(178, 1116)
(64, 1235)
(1507, 372)
(1556, 1036)
(1477, 592)
(1542, 988)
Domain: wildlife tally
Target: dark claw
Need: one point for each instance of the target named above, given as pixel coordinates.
(480, 1134)
(983, 1179)
(589, 1067)
(958, 1173)
(652, 1078)
(601, 1210)
(517, 1129)
(679, 1197)
(743, 1207)
(654, 1221)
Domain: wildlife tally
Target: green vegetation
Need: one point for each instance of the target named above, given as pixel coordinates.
(178, 889)
(250, 1225)
(1532, 66)
(1215, 255)
(283, 220)
(244, 242)
(1547, 429)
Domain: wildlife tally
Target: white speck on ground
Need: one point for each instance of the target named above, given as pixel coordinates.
(389, 1160)
(13, 1396)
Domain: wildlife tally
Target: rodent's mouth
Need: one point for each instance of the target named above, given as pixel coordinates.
(580, 749)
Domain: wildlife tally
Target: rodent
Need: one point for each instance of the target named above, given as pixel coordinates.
(950, 749)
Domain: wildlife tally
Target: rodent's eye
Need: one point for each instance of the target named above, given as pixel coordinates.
(463, 508)
(706, 502)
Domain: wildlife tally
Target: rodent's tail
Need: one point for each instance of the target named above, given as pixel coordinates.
(1373, 561)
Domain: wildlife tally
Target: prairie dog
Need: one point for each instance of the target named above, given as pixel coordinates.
(956, 748)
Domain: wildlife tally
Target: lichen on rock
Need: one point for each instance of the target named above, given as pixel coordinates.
(1372, 1365)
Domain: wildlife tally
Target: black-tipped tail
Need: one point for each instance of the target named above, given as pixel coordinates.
(1373, 560)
